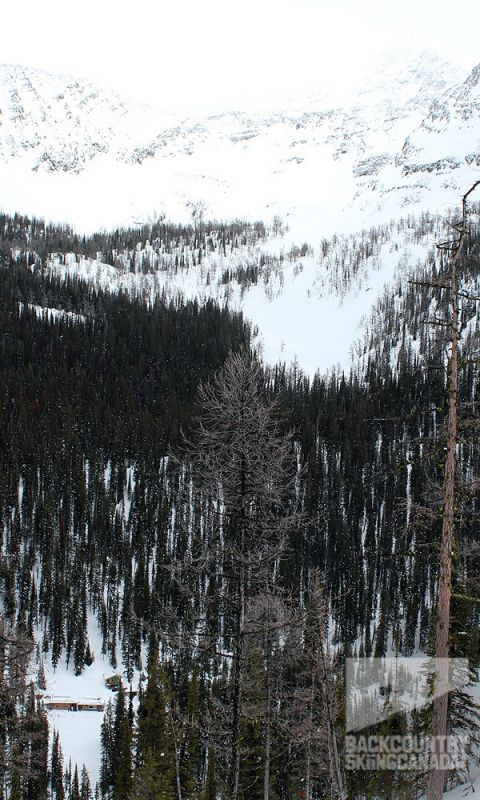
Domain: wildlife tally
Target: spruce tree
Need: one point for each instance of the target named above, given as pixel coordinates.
(155, 756)
(56, 769)
(85, 788)
(123, 762)
(107, 743)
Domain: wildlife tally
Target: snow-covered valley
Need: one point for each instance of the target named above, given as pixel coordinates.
(403, 141)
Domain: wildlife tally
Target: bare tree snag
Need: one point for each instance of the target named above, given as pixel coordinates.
(437, 777)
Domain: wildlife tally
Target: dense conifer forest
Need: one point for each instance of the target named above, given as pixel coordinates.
(120, 504)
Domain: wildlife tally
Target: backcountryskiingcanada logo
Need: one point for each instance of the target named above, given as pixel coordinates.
(377, 689)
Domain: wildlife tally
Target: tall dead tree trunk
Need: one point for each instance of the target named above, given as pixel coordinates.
(437, 778)
(240, 649)
(268, 618)
(313, 721)
(239, 659)
(268, 707)
(328, 691)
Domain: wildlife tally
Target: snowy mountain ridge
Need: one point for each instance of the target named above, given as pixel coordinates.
(71, 151)
(55, 122)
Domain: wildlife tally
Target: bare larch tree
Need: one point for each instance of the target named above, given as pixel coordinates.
(450, 282)
(245, 470)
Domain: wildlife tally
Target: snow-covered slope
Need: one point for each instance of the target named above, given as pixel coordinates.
(53, 122)
(402, 140)
(71, 151)
(308, 304)
(441, 156)
(449, 134)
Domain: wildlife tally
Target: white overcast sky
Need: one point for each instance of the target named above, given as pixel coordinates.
(193, 56)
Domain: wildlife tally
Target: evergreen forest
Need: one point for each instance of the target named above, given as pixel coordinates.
(234, 531)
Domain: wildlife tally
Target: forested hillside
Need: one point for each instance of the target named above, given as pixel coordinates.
(207, 533)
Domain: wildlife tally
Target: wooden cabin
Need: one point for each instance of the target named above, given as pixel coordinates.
(61, 705)
(74, 705)
(90, 705)
(113, 682)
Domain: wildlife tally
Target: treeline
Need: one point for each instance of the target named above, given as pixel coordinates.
(40, 240)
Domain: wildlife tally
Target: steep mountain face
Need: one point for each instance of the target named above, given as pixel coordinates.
(449, 133)
(53, 122)
(69, 150)
(438, 158)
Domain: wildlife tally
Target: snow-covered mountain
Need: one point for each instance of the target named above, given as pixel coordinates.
(69, 150)
(449, 135)
(53, 122)
(403, 140)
